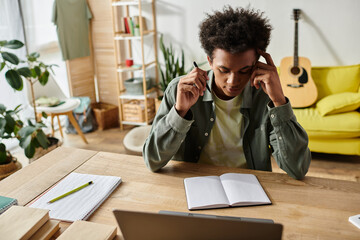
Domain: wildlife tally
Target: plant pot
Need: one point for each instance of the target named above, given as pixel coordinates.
(9, 168)
(39, 152)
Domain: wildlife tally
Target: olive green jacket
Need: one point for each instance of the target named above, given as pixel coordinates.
(266, 130)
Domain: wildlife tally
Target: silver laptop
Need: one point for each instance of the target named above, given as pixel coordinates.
(175, 225)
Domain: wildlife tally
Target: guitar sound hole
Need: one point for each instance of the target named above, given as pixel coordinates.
(295, 70)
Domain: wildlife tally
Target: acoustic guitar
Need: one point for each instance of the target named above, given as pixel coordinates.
(295, 75)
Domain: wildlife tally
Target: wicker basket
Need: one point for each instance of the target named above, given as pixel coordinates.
(106, 115)
(134, 110)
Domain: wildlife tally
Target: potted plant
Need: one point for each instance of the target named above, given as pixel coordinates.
(33, 70)
(174, 67)
(31, 137)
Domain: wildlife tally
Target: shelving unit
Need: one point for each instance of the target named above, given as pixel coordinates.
(147, 99)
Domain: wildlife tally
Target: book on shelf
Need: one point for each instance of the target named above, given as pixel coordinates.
(6, 203)
(80, 204)
(88, 230)
(22, 222)
(126, 25)
(132, 25)
(227, 190)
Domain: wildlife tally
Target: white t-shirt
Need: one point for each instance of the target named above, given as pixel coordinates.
(224, 147)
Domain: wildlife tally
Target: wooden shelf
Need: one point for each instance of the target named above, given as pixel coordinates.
(129, 2)
(151, 93)
(136, 67)
(137, 123)
(128, 36)
(131, 111)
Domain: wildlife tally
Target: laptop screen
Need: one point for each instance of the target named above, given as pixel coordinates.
(145, 225)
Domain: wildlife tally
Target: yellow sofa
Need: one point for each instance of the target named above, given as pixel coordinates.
(333, 122)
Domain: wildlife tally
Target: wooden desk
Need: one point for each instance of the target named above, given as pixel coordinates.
(313, 208)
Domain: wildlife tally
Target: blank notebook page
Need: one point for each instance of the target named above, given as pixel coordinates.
(244, 189)
(81, 204)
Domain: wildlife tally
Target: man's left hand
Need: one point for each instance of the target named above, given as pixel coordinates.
(268, 77)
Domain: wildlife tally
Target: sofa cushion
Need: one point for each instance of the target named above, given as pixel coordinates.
(341, 125)
(338, 103)
(332, 80)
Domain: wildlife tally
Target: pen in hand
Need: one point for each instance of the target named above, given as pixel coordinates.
(207, 87)
(70, 192)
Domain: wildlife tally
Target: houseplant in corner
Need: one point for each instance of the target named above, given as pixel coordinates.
(174, 67)
(31, 137)
(33, 70)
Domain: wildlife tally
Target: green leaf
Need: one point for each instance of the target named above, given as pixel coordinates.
(14, 44)
(24, 71)
(43, 79)
(14, 79)
(17, 107)
(2, 147)
(37, 70)
(2, 43)
(10, 124)
(30, 150)
(44, 114)
(25, 142)
(10, 57)
(30, 123)
(33, 73)
(36, 143)
(2, 66)
(42, 139)
(26, 131)
(31, 59)
(19, 123)
(39, 125)
(2, 153)
(17, 128)
(34, 55)
(2, 108)
(2, 123)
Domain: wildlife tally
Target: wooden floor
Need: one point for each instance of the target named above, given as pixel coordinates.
(323, 165)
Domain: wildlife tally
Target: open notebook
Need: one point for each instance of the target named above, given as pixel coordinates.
(81, 204)
(230, 189)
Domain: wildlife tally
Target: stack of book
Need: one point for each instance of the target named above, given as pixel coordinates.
(88, 230)
(27, 223)
(34, 224)
(132, 25)
(6, 203)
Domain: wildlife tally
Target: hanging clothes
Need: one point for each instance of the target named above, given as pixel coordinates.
(72, 20)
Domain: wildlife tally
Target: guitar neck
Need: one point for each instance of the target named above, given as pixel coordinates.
(296, 56)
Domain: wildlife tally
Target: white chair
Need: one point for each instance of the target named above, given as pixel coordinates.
(52, 89)
(135, 139)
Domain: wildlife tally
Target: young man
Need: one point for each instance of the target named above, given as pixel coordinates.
(244, 119)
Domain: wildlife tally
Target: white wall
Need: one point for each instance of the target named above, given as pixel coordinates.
(329, 31)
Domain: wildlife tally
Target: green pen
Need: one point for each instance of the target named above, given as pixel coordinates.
(70, 192)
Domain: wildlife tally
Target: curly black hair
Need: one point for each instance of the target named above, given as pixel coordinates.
(235, 30)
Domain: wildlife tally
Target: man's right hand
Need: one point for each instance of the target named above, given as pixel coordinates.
(189, 88)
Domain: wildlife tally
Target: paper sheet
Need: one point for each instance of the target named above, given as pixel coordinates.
(205, 192)
(78, 205)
